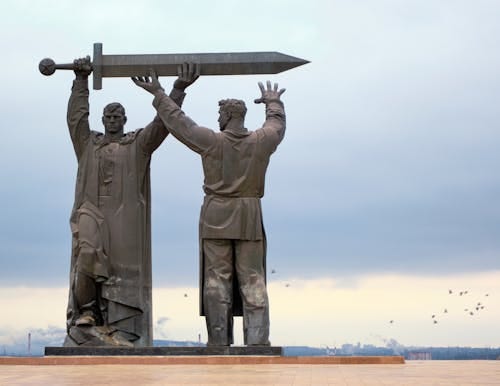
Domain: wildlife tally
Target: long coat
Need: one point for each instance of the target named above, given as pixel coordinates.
(113, 187)
(234, 165)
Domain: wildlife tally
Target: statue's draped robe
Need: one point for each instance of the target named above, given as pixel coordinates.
(234, 165)
(113, 188)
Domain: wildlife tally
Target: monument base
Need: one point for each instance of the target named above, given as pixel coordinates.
(189, 360)
(165, 351)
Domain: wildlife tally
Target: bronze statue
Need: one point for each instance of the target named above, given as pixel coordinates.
(232, 237)
(110, 279)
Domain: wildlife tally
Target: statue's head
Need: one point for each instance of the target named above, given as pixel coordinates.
(231, 109)
(114, 118)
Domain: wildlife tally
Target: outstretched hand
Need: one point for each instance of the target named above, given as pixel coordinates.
(269, 94)
(187, 74)
(149, 83)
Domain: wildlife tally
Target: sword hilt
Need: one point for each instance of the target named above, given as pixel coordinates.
(47, 66)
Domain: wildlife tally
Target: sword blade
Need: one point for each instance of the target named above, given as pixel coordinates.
(230, 63)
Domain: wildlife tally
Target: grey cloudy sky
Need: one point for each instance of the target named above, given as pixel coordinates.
(389, 164)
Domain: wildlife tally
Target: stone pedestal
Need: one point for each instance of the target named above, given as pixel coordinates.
(165, 351)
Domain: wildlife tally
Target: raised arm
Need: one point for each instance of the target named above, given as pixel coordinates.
(78, 106)
(153, 134)
(273, 130)
(182, 127)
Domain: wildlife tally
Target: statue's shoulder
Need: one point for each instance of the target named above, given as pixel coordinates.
(96, 137)
(130, 137)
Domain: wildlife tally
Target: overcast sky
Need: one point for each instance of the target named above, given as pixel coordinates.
(390, 161)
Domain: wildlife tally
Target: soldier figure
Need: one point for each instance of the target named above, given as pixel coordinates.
(110, 278)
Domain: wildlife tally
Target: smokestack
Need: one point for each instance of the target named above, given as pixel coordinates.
(29, 343)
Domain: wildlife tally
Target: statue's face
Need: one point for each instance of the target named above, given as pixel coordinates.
(224, 117)
(113, 121)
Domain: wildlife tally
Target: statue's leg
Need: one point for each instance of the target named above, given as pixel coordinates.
(85, 294)
(85, 284)
(218, 290)
(251, 276)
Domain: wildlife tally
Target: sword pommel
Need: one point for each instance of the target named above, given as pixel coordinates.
(47, 66)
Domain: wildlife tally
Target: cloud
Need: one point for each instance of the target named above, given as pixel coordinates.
(316, 312)
(161, 328)
(388, 164)
(30, 341)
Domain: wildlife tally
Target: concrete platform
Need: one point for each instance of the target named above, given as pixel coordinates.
(197, 360)
(444, 373)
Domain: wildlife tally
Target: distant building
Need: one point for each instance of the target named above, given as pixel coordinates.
(331, 351)
(419, 356)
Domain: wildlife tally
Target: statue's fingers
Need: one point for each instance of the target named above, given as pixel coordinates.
(259, 100)
(197, 70)
(268, 85)
(261, 86)
(281, 91)
(276, 87)
(152, 73)
(138, 80)
(190, 68)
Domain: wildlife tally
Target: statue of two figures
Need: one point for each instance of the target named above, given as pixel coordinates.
(110, 280)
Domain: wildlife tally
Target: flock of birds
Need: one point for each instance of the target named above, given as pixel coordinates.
(273, 271)
(471, 311)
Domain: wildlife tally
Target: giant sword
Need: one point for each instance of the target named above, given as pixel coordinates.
(229, 63)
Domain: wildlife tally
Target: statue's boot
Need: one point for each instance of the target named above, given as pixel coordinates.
(219, 324)
(119, 340)
(87, 319)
